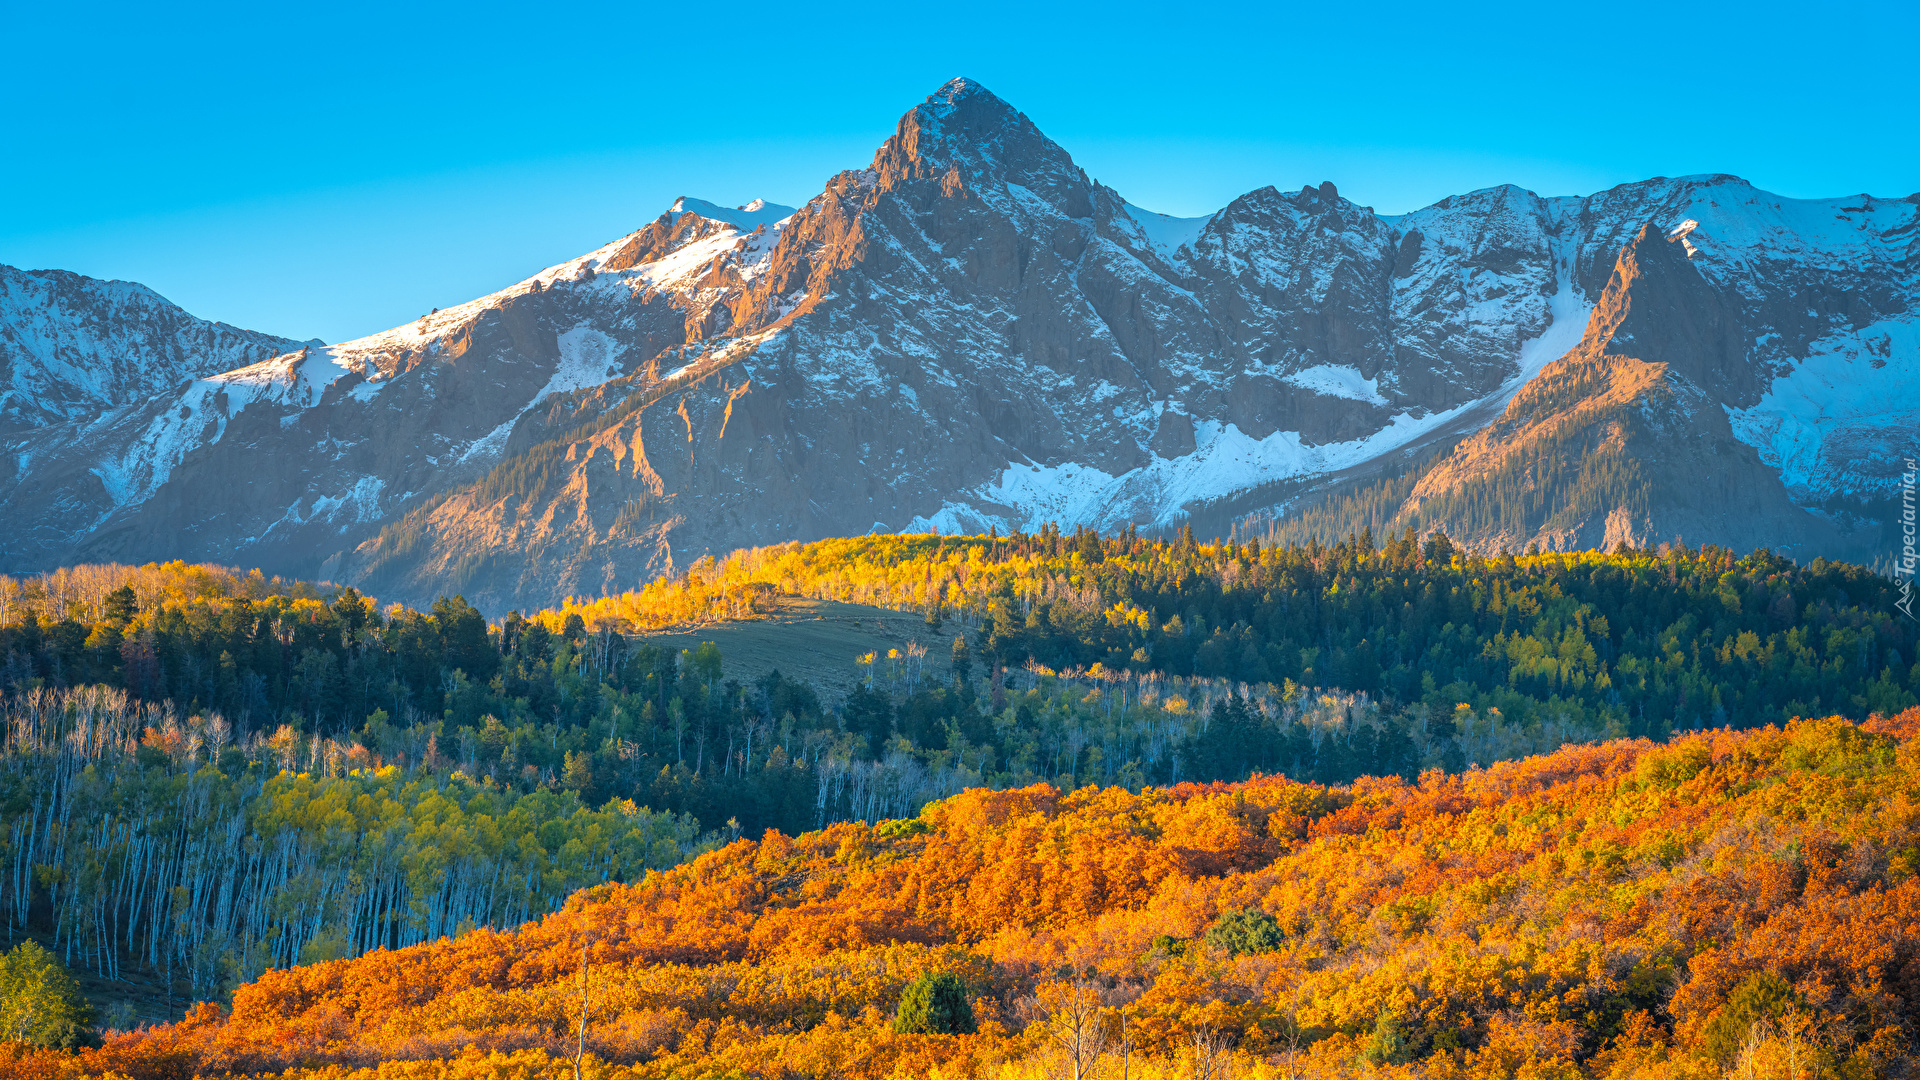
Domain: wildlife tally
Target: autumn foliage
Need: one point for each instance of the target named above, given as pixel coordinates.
(1731, 903)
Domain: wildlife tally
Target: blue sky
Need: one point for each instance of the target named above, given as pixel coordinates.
(332, 170)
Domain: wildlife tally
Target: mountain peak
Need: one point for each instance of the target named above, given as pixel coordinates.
(959, 89)
(966, 110)
(963, 134)
(73, 348)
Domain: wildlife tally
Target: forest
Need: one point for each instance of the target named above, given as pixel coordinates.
(1731, 903)
(1630, 642)
(209, 775)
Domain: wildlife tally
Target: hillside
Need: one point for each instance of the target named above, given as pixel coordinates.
(970, 333)
(1733, 903)
(393, 775)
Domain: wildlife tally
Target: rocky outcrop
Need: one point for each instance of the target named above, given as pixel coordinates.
(971, 333)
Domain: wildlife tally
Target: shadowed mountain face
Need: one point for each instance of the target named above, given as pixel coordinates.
(73, 349)
(971, 333)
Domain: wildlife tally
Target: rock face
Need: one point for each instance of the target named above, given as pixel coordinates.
(79, 357)
(73, 348)
(971, 333)
(1745, 379)
(1627, 438)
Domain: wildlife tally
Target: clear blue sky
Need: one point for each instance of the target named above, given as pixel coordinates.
(329, 170)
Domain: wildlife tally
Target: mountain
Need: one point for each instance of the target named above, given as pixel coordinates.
(78, 358)
(972, 333)
(1741, 381)
(73, 348)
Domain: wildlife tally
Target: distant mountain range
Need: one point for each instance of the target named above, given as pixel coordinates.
(971, 333)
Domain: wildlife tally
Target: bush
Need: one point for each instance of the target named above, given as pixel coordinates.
(935, 1004)
(1668, 767)
(1765, 995)
(40, 1003)
(1391, 1043)
(1167, 947)
(1249, 931)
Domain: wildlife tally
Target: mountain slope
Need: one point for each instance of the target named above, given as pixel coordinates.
(282, 457)
(1738, 384)
(73, 347)
(972, 333)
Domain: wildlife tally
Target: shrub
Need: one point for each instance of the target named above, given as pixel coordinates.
(935, 1004)
(1764, 995)
(1249, 931)
(1668, 767)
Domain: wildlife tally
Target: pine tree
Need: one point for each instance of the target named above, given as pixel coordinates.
(935, 1005)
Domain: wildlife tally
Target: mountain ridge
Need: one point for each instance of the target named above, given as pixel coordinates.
(63, 336)
(971, 333)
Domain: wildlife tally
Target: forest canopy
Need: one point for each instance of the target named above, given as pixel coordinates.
(392, 775)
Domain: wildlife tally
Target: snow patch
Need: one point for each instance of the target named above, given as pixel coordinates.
(1569, 311)
(588, 358)
(745, 218)
(1338, 380)
(1225, 462)
(1841, 420)
(198, 416)
(493, 443)
(365, 498)
(1679, 232)
(1168, 234)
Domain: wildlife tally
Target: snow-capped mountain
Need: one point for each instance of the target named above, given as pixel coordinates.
(281, 459)
(77, 356)
(1746, 379)
(970, 332)
(73, 348)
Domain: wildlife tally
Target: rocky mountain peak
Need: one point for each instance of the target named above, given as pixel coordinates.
(74, 347)
(965, 138)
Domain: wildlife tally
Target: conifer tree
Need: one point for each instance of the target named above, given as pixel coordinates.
(935, 1004)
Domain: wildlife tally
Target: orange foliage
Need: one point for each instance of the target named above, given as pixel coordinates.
(1605, 908)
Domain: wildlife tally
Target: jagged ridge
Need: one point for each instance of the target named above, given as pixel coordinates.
(970, 332)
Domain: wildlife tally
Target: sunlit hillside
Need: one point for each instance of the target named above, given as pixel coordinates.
(213, 780)
(1737, 903)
